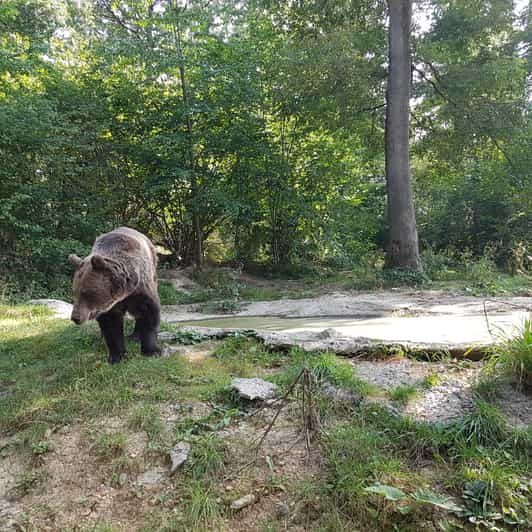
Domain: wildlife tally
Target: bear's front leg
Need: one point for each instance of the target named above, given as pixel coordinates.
(112, 327)
(148, 326)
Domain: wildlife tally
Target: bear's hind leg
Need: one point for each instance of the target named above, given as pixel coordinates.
(148, 324)
(112, 327)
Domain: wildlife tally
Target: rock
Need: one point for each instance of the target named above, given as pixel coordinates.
(151, 477)
(165, 336)
(178, 455)
(244, 501)
(328, 333)
(341, 395)
(169, 350)
(282, 510)
(122, 479)
(253, 389)
(60, 309)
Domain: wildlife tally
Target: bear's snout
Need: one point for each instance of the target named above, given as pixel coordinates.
(78, 315)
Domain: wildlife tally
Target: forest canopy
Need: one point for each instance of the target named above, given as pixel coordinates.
(258, 125)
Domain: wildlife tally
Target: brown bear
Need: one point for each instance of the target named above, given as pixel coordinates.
(119, 276)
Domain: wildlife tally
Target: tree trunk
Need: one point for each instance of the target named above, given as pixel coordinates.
(198, 237)
(402, 249)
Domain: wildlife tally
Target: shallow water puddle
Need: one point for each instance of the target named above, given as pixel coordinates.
(435, 328)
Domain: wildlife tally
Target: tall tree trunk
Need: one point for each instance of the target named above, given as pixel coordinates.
(403, 248)
(196, 225)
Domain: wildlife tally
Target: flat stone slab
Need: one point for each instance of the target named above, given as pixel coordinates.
(152, 477)
(61, 309)
(254, 389)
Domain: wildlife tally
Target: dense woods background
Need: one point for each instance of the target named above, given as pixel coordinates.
(260, 126)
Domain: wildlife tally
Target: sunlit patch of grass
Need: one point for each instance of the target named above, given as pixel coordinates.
(55, 372)
(324, 367)
(514, 357)
(485, 425)
(431, 380)
(491, 483)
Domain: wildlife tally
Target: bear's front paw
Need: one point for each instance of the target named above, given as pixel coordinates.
(156, 352)
(115, 358)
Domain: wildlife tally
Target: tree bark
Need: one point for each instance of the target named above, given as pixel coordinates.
(402, 248)
(196, 224)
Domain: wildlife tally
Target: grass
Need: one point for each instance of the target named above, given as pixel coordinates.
(146, 417)
(325, 367)
(431, 380)
(207, 457)
(109, 446)
(403, 394)
(217, 291)
(513, 358)
(484, 426)
(202, 511)
(478, 461)
(242, 356)
(53, 373)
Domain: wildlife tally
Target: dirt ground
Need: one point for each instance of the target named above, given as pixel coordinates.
(77, 491)
(74, 489)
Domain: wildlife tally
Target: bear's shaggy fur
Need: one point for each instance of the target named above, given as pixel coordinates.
(119, 276)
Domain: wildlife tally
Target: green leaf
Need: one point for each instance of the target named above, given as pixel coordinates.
(389, 492)
(435, 499)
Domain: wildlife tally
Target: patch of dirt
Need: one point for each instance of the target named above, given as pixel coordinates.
(76, 488)
(193, 353)
(275, 483)
(173, 412)
(515, 405)
(79, 490)
(451, 398)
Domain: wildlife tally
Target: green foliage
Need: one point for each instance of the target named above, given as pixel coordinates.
(403, 393)
(146, 417)
(202, 512)
(168, 293)
(276, 148)
(207, 457)
(325, 367)
(431, 380)
(484, 426)
(514, 357)
(109, 446)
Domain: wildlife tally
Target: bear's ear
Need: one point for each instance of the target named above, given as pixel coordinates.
(75, 261)
(98, 262)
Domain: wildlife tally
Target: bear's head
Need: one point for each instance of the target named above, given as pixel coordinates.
(99, 284)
